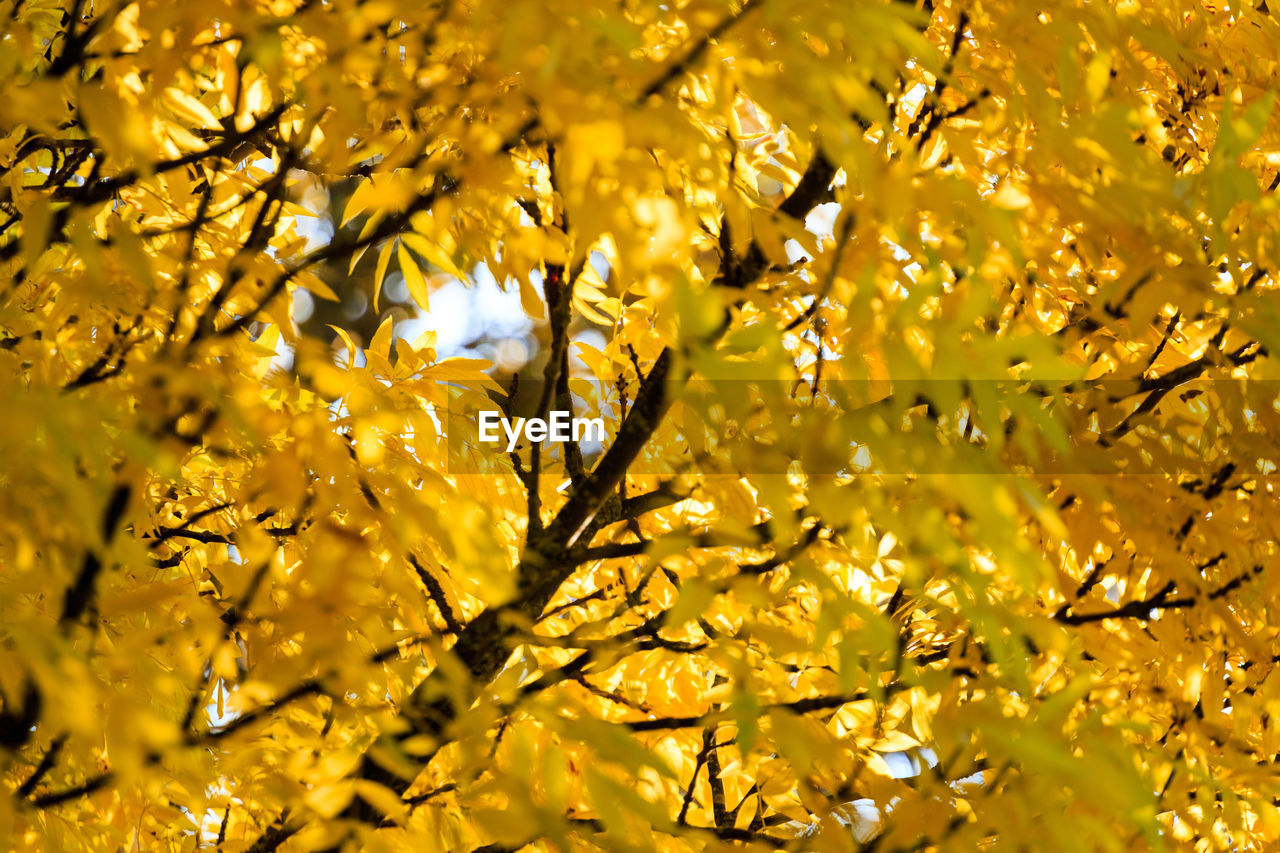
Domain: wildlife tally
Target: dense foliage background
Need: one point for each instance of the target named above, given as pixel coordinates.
(937, 506)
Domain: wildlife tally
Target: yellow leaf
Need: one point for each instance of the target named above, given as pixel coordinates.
(357, 202)
(384, 257)
(1010, 197)
(312, 282)
(433, 252)
(186, 107)
(369, 225)
(412, 275)
(381, 343)
(328, 800)
(350, 344)
(382, 798)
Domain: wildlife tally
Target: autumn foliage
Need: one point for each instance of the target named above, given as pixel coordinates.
(936, 508)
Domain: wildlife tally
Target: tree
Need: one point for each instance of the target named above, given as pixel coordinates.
(935, 510)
